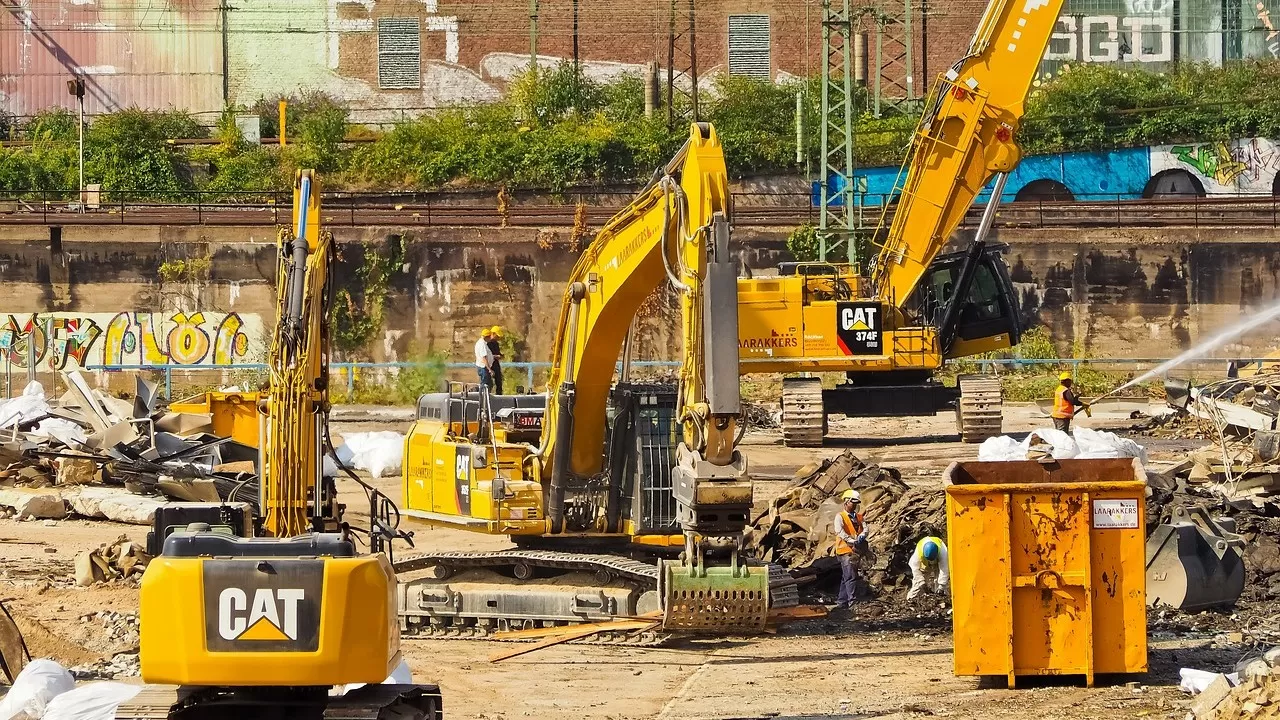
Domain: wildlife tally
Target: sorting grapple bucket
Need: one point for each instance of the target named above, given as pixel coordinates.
(725, 598)
(1194, 562)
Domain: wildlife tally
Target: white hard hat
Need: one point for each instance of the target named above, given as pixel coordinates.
(853, 495)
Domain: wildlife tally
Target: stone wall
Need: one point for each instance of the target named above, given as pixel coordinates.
(1109, 293)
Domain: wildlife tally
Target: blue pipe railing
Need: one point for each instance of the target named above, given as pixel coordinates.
(528, 368)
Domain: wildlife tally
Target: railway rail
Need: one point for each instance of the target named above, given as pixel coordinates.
(749, 210)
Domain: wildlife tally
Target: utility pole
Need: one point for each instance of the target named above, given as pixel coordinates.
(533, 34)
(75, 87)
(838, 219)
(577, 89)
(223, 7)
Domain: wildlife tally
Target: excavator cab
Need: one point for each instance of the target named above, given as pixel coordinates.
(987, 316)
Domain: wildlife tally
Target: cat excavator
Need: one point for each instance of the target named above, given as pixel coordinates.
(890, 330)
(598, 479)
(260, 617)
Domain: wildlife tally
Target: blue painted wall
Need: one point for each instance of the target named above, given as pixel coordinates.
(1104, 175)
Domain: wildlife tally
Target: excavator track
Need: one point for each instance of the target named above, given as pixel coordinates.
(804, 420)
(477, 594)
(979, 411)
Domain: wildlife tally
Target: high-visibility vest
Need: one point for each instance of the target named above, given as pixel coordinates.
(925, 562)
(1062, 407)
(852, 527)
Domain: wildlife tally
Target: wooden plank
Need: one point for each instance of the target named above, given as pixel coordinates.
(574, 633)
(798, 612)
(538, 633)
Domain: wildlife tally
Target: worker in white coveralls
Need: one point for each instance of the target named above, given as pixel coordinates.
(928, 563)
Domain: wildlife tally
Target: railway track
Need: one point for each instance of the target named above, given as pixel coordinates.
(1199, 212)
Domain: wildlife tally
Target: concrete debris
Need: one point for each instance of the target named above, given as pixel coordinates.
(120, 665)
(120, 560)
(1255, 698)
(795, 531)
(26, 504)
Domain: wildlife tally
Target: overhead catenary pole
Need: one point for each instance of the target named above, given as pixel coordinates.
(533, 34)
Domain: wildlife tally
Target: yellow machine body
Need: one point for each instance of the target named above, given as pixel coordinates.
(262, 635)
(295, 607)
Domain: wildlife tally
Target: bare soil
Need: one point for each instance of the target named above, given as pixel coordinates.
(841, 667)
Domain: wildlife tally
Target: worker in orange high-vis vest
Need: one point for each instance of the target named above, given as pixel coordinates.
(851, 540)
(1065, 402)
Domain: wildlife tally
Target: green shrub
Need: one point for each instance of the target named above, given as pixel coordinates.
(428, 374)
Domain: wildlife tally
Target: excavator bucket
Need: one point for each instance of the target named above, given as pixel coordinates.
(714, 599)
(1194, 562)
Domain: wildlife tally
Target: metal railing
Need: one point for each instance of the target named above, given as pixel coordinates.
(781, 209)
(348, 371)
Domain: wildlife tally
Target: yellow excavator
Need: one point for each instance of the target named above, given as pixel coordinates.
(596, 478)
(260, 616)
(891, 330)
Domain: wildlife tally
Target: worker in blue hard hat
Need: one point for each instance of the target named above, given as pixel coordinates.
(929, 563)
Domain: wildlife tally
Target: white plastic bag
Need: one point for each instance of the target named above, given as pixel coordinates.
(344, 454)
(1195, 681)
(95, 701)
(402, 675)
(1064, 447)
(38, 683)
(380, 453)
(1001, 448)
(1101, 444)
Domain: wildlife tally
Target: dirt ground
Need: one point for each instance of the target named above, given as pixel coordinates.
(832, 668)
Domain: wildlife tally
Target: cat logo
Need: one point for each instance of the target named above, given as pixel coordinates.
(261, 605)
(273, 615)
(858, 328)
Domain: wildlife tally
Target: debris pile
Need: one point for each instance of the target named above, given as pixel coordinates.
(91, 455)
(1252, 692)
(121, 560)
(795, 531)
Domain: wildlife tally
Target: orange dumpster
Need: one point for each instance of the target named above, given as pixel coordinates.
(234, 414)
(1047, 567)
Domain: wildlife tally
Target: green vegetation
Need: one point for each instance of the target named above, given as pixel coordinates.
(557, 131)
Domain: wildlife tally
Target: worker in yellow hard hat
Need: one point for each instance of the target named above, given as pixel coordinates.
(1065, 402)
(492, 336)
(850, 530)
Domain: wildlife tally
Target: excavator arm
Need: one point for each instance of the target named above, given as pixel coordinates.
(676, 231)
(968, 135)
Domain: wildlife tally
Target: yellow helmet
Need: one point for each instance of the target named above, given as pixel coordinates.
(1064, 375)
(853, 495)
(495, 331)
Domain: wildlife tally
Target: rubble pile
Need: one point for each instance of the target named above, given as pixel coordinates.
(795, 531)
(121, 560)
(1252, 692)
(96, 456)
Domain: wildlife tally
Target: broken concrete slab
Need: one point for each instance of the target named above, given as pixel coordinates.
(29, 504)
(116, 504)
(1207, 702)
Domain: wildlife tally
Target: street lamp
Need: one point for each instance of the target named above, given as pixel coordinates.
(75, 87)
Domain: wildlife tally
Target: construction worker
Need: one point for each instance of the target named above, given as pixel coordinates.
(1065, 402)
(851, 539)
(929, 561)
(485, 359)
(495, 334)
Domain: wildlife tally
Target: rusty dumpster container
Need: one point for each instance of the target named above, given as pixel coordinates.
(1047, 567)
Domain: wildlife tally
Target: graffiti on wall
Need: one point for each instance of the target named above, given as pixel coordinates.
(64, 341)
(1273, 37)
(1247, 166)
(1111, 38)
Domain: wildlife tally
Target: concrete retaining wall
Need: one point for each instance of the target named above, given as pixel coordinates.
(1109, 293)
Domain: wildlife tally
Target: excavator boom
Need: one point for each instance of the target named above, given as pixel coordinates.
(966, 136)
